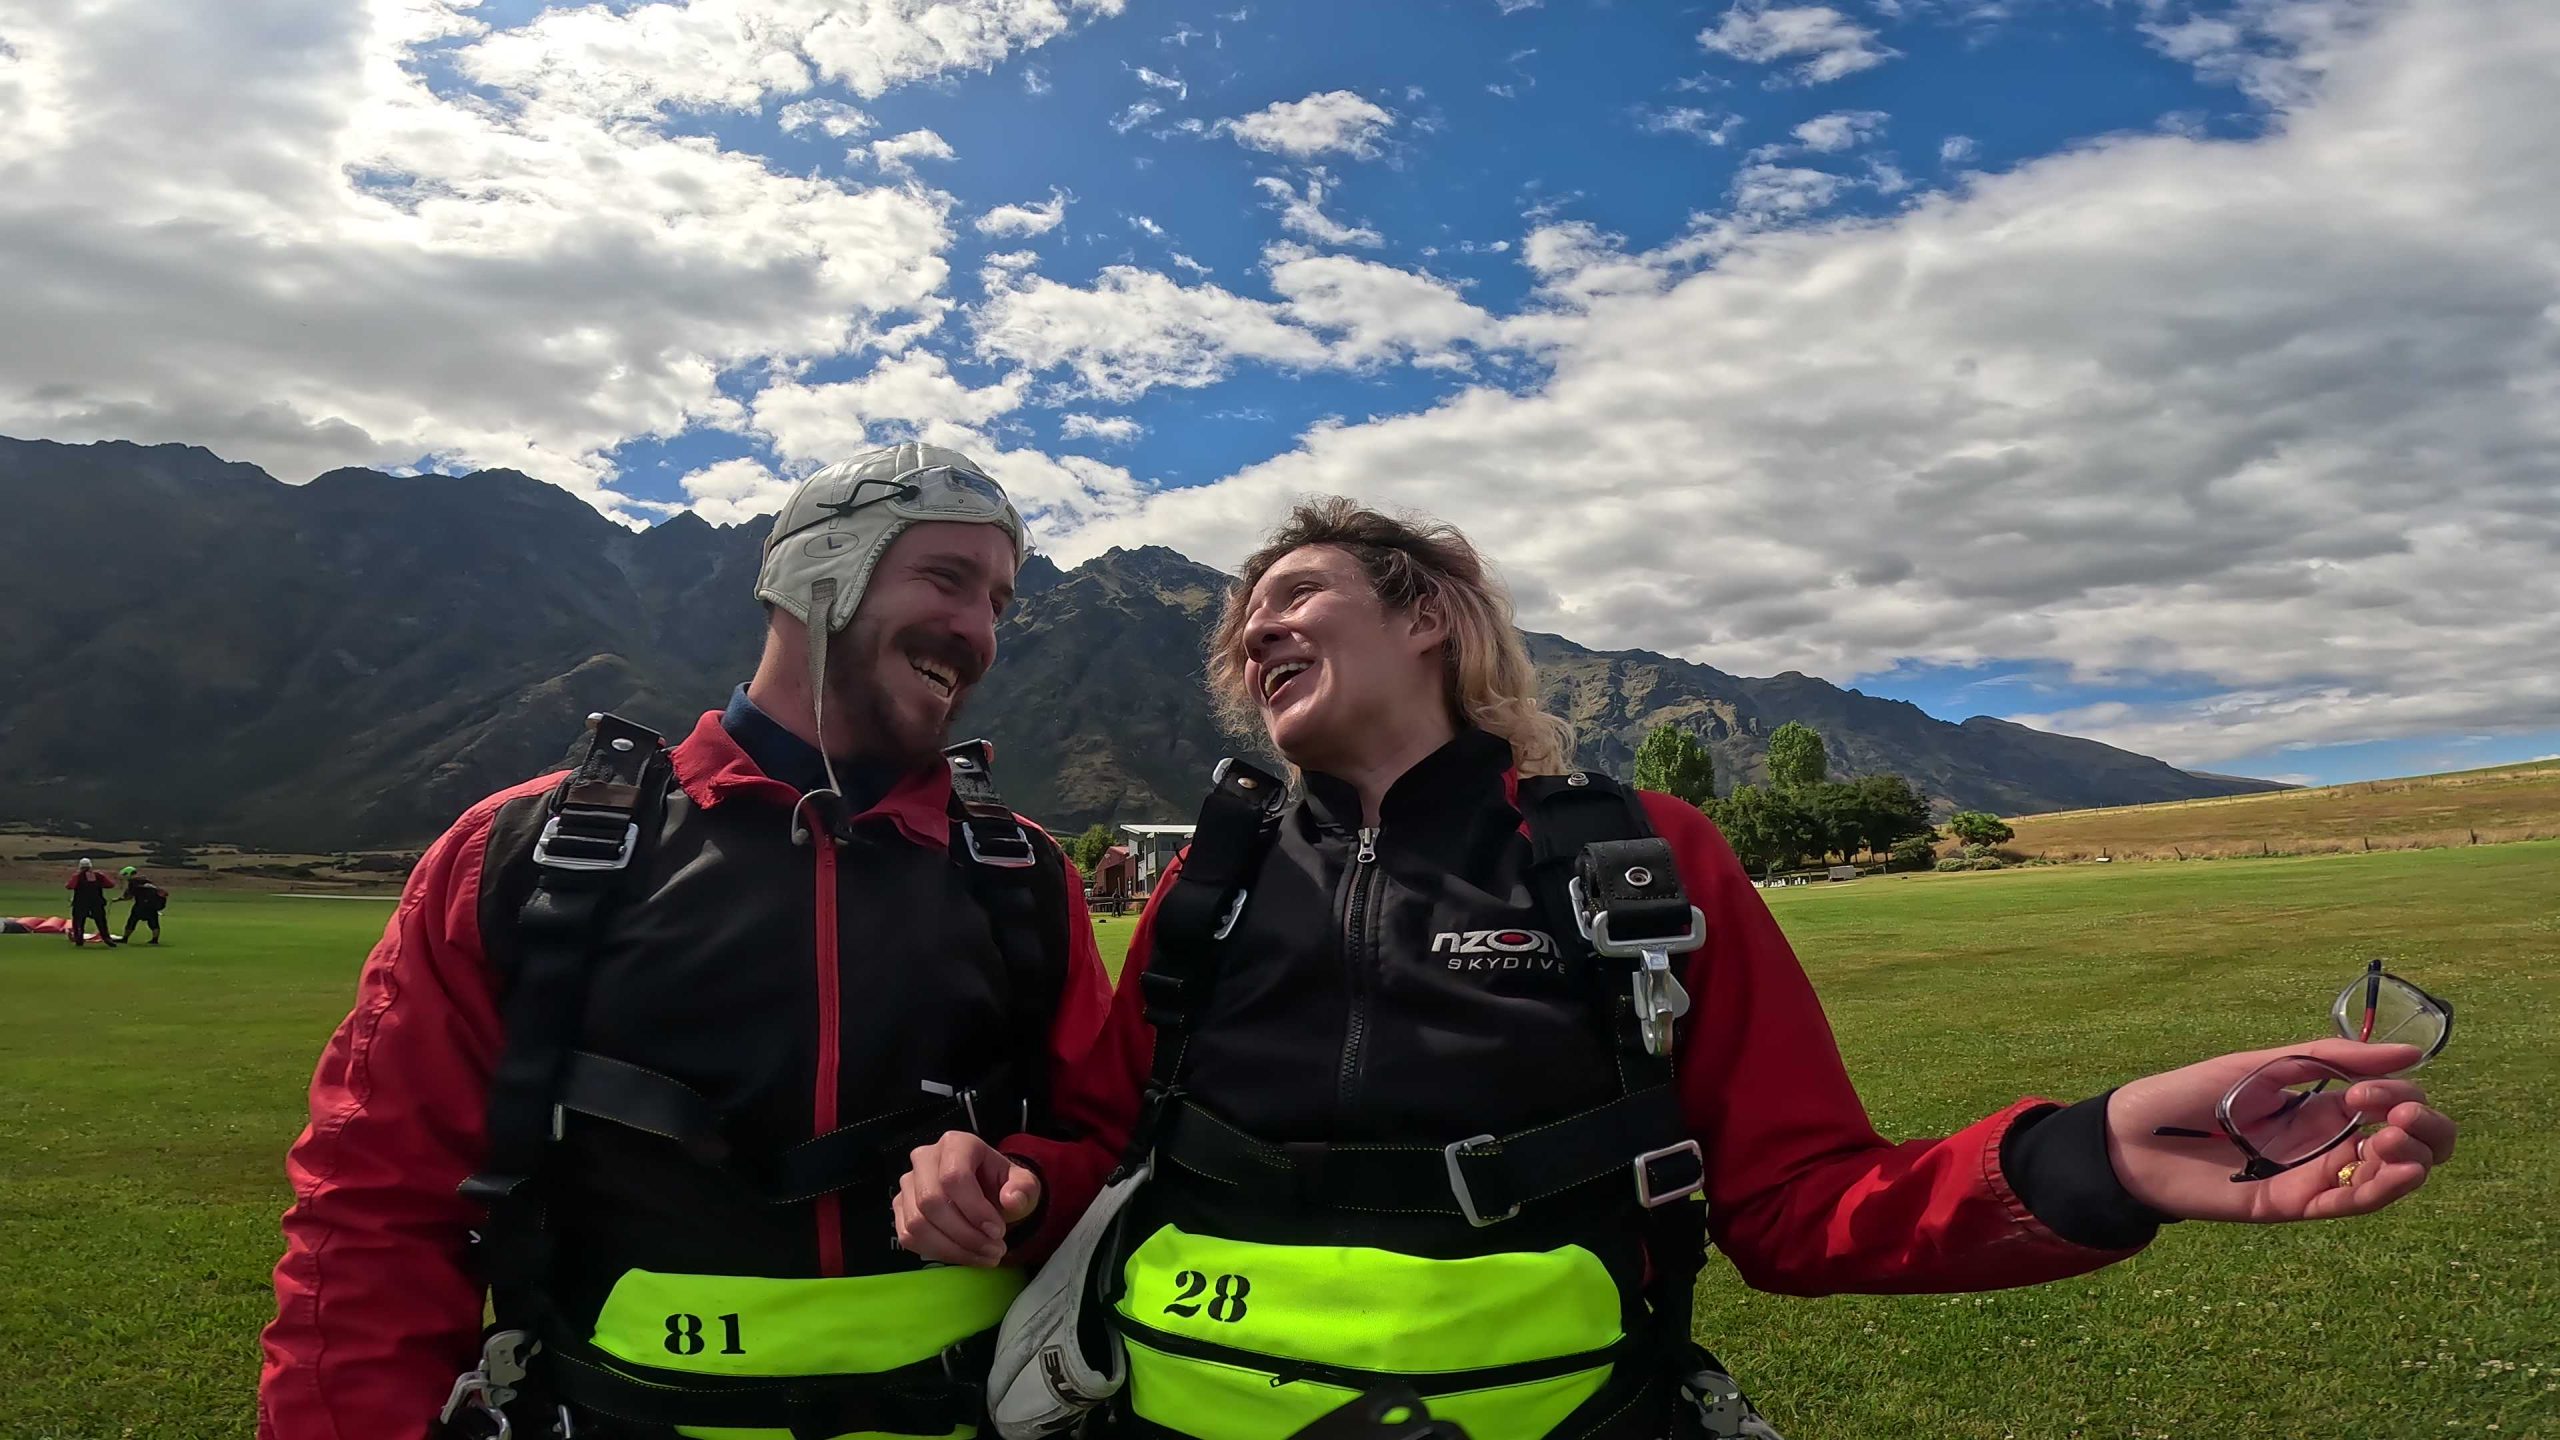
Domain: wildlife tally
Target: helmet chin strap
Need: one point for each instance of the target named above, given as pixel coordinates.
(822, 604)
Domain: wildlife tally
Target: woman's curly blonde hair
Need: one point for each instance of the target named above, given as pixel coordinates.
(1490, 683)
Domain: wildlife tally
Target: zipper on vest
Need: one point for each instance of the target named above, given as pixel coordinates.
(830, 1206)
(1427, 1383)
(1355, 958)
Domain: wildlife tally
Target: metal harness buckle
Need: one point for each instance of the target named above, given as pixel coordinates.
(1235, 911)
(543, 855)
(1652, 1199)
(1660, 999)
(1449, 1154)
(1001, 859)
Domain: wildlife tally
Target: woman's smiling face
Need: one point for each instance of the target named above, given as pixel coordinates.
(1333, 670)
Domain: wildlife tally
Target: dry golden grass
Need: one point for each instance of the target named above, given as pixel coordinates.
(2470, 807)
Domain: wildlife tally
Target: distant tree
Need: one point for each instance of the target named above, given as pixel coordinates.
(1767, 828)
(1088, 847)
(1672, 761)
(1914, 852)
(1891, 811)
(1796, 758)
(1837, 815)
(1979, 827)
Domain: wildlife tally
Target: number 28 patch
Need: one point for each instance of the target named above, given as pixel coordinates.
(1226, 1305)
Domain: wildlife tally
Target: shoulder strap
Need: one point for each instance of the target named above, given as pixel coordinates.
(1612, 887)
(1238, 821)
(598, 821)
(1020, 881)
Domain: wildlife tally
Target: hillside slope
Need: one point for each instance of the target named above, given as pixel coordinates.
(191, 650)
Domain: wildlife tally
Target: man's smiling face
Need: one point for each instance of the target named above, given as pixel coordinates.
(923, 637)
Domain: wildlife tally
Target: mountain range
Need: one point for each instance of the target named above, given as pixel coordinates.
(192, 650)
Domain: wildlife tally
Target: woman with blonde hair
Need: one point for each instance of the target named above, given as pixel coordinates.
(1443, 1067)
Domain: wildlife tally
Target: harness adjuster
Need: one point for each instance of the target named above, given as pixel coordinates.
(1235, 911)
(1654, 1199)
(1003, 851)
(484, 1391)
(1594, 925)
(547, 847)
(1449, 1155)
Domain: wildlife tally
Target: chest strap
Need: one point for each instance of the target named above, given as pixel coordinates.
(866, 1152)
(1486, 1179)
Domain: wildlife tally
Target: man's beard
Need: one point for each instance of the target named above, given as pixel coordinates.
(874, 730)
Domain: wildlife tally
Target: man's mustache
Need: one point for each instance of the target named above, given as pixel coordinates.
(950, 650)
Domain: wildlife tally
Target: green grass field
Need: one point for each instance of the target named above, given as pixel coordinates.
(146, 1097)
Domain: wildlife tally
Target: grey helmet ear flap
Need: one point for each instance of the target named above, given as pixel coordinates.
(821, 632)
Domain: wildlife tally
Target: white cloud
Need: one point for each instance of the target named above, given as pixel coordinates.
(1035, 81)
(1153, 81)
(1840, 130)
(1110, 429)
(2275, 50)
(897, 154)
(732, 492)
(1134, 330)
(834, 117)
(2281, 413)
(1376, 312)
(1329, 123)
(1185, 262)
(812, 425)
(1135, 116)
(1691, 121)
(731, 54)
(1024, 219)
(1956, 149)
(1514, 7)
(1833, 45)
(372, 273)
(1302, 213)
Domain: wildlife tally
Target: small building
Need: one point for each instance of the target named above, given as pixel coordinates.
(1115, 875)
(1151, 846)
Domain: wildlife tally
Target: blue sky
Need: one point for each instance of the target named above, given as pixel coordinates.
(2167, 371)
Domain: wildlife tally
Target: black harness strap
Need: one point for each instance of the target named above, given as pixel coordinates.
(599, 818)
(1486, 1180)
(1020, 881)
(1193, 917)
(1620, 886)
(862, 1153)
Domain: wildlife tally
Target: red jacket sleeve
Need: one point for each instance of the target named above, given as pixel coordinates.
(1095, 1101)
(1803, 1195)
(376, 1311)
(1067, 1171)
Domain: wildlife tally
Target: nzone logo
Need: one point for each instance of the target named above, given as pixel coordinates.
(1496, 949)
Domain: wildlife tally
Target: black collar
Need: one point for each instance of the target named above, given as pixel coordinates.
(1449, 784)
(794, 761)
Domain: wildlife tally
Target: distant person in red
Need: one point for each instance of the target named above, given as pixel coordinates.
(147, 900)
(89, 887)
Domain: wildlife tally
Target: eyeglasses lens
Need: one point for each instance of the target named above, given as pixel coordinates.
(2291, 1110)
(2386, 1010)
